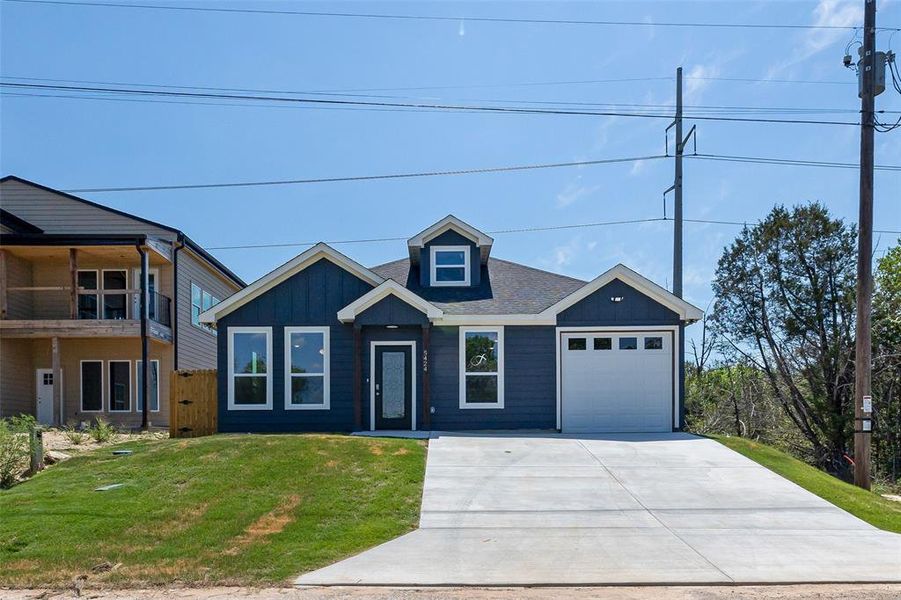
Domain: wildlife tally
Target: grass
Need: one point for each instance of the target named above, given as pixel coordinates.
(225, 509)
(868, 506)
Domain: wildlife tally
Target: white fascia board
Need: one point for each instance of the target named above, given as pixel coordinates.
(686, 311)
(284, 272)
(450, 222)
(388, 287)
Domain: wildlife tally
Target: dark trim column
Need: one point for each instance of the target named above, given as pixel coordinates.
(426, 383)
(358, 377)
(145, 350)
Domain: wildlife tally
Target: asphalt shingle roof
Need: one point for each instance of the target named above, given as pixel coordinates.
(505, 288)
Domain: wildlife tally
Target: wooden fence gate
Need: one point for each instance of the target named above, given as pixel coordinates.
(192, 403)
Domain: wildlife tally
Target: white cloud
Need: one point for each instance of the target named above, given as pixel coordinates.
(833, 13)
(574, 192)
(698, 80)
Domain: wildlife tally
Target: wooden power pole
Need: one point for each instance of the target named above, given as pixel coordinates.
(677, 184)
(863, 343)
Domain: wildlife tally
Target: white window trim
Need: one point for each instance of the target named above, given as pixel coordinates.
(201, 325)
(109, 380)
(102, 288)
(326, 377)
(433, 268)
(158, 383)
(500, 368)
(231, 368)
(81, 385)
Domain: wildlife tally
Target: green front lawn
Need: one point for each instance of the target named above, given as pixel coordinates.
(870, 507)
(227, 509)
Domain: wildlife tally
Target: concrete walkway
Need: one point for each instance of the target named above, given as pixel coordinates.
(615, 509)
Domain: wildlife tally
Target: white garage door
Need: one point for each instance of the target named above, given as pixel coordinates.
(617, 381)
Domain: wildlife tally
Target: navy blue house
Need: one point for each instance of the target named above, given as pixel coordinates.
(448, 338)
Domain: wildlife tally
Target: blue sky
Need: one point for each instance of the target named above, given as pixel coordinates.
(73, 143)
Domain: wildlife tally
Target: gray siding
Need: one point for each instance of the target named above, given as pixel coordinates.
(635, 309)
(312, 297)
(196, 347)
(449, 238)
(57, 213)
(530, 400)
(391, 310)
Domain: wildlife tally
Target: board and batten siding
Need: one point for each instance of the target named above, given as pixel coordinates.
(196, 346)
(311, 297)
(635, 308)
(449, 238)
(58, 213)
(530, 400)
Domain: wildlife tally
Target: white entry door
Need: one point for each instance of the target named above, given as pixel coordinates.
(617, 381)
(44, 386)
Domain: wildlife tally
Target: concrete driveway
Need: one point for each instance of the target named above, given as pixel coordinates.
(615, 509)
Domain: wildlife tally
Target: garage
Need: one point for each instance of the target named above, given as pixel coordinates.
(617, 381)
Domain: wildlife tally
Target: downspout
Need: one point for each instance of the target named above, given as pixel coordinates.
(145, 312)
(173, 317)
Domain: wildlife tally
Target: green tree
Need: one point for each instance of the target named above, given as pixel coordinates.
(785, 303)
(887, 366)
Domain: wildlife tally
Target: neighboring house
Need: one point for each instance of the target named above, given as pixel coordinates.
(448, 339)
(71, 275)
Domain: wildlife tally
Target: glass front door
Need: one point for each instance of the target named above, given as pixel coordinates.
(393, 389)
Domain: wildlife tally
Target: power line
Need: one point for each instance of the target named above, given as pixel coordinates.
(620, 105)
(455, 19)
(485, 170)
(475, 171)
(448, 107)
(497, 232)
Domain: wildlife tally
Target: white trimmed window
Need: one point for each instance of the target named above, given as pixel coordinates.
(119, 385)
(306, 368)
(153, 374)
(249, 368)
(481, 367)
(449, 265)
(91, 385)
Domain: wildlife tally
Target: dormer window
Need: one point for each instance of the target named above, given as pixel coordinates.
(450, 265)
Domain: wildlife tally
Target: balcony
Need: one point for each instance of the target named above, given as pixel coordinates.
(57, 311)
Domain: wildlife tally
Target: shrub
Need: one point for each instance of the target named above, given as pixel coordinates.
(13, 454)
(75, 437)
(102, 431)
(21, 423)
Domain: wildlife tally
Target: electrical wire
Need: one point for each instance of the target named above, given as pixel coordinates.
(787, 162)
(502, 232)
(419, 105)
(455, 19)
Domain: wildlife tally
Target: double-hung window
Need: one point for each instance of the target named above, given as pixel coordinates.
(249, 368)
(306, 368)
(449, 265)
(481, 367)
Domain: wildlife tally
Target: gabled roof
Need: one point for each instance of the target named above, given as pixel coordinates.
(687, 312)
(284, 272)
(388, 288)
(450, 222)
(505, 288)
(184, 239)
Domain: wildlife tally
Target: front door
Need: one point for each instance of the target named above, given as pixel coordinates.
(393, 387)
(44, 387)
(136, 298)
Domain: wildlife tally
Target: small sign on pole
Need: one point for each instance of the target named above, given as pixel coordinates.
(867, 404)
(867, 425)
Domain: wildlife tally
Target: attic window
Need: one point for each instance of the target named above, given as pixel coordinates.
(449, 265)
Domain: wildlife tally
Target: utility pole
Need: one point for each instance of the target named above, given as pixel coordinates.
(677, 184)
(863, 348)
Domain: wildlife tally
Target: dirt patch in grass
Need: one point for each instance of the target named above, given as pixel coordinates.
(269, 524)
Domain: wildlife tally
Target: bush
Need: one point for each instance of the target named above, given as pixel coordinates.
(21, 423)
(13, 454)
(102, 432)
(75, 437)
